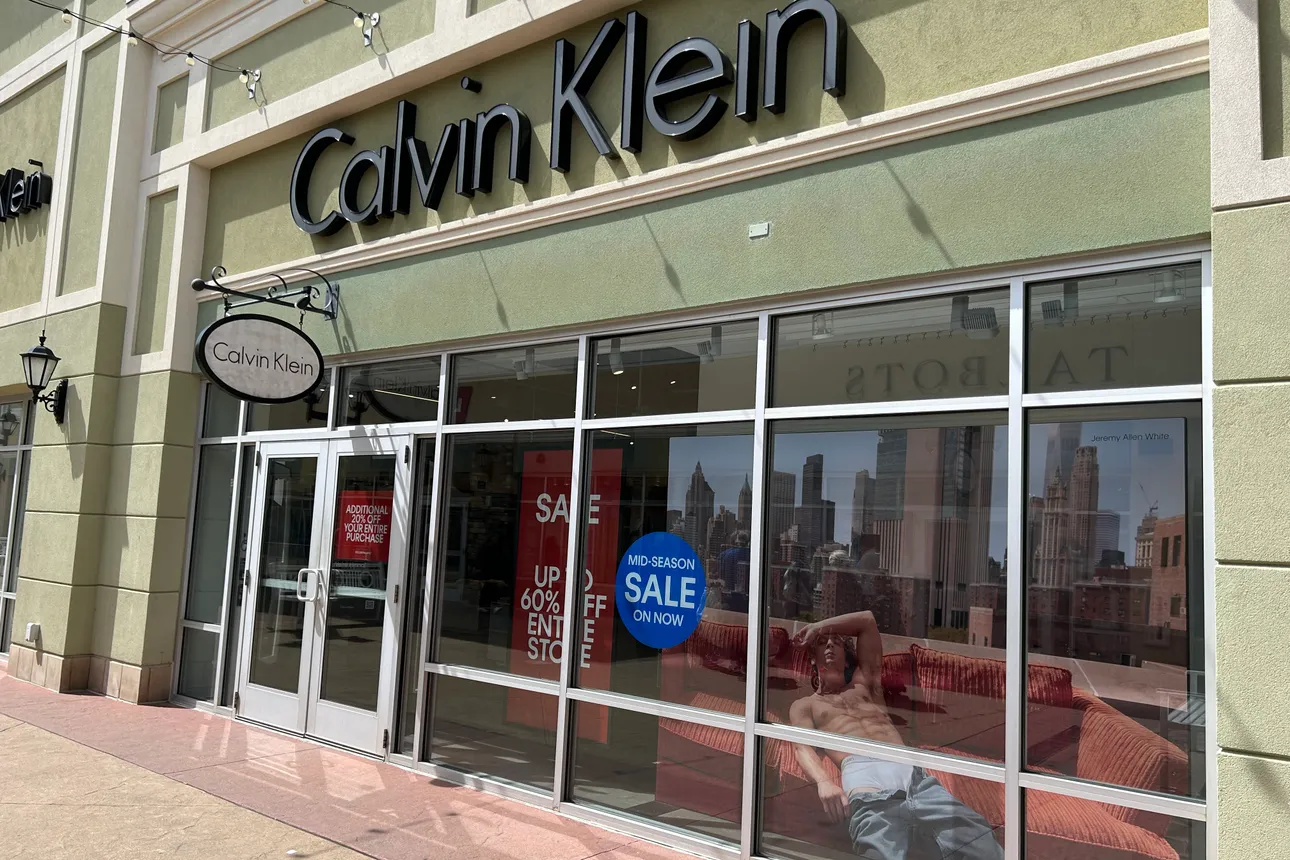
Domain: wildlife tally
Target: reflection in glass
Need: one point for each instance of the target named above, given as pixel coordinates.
(505, 545)
(1114, 331)
(1113, 581)
(278, 629)
(515, 384)
(357, 580)
(945, 346)
(885, 584)
(13, 423)
(692, 481)
(677, 774)
(223, 411)
(391, 392)
(492, 731)
(410, 652)
(821, 804)
(1069, 828)
(310, 412)
(705, 368)
(211, 519)
(241, 539)
(197, 664)
(8, 476)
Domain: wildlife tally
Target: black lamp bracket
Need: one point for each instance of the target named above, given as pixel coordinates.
(55, 401)
(300, 298)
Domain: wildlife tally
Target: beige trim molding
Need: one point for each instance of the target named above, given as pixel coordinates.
(1143, 65)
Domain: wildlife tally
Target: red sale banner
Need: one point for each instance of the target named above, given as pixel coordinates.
(363, 527)
(537, 621)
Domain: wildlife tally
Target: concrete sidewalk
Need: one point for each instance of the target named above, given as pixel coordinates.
(82, 776)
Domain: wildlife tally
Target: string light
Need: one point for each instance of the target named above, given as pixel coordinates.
(248, 77)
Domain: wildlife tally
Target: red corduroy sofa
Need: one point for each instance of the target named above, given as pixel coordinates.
(939, 701)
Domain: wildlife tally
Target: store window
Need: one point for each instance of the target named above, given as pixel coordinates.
(1118, 330)
(515, 384)
(1114, 579)
(872, 527)
(945, 346)
(690, 482)
(807, 814)
(15, 459)
(493, 731)
(391, 392)
(650, 767)
(1072, 828)
(308, 413)
(505, 531)
(706, 368)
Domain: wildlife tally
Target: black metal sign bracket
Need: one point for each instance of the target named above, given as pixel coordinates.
(300, 298)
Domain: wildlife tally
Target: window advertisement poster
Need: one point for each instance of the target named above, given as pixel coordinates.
(537, 629)
(363, 533)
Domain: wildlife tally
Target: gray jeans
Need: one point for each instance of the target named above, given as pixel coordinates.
(925, 822)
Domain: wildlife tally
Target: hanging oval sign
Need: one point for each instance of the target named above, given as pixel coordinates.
(259, 358)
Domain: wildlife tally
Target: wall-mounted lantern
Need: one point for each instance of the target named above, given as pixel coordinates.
(38, 364)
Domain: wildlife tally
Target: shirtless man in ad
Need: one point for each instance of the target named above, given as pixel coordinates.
(894, 811)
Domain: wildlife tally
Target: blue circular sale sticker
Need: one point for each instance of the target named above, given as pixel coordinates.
(661, 590)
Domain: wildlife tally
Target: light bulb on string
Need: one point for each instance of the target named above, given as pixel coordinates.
(190, 59)
(67, 16)
(244, 76)
(131, 38)
(358, 20)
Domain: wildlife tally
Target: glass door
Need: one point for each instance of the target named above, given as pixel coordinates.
(277, 636)
(352, 679)
(326, 577)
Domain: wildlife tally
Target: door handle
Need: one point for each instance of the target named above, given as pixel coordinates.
(301, 587)
(312, 584)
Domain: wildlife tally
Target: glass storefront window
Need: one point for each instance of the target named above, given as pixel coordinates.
(515, 384)
(240, 546)
(885, 586)
(391, 392)
(946, 346)
(677, 774)
(505, 531)
(197, 664)
(222, 413)
(309, 413)
(1071, 828)
(1114, 591)
(410, 652)
(211, 520)
(706, 368)
(1124, 329)
(818, 803)
(494, 731)
(691, 481)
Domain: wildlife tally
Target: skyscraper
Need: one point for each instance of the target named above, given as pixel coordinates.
(783, 493)
(700, 502)
(862, 500)
(1052, 558)
(1063, 439)
(1082, 501)
(744, 507)
(889, 488)
(1106, 536)
(812, 515)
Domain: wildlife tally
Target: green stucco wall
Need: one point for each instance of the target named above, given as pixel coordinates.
(310, 48)
(28, 129)
(102, 10)
(172, 103)
(154, 281)
(1274, 74)
(901, 53)
(1122, 170)
(90, 169)
(27, 28)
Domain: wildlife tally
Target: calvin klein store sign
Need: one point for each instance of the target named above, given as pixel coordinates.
(20, 193)
(690, 68)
